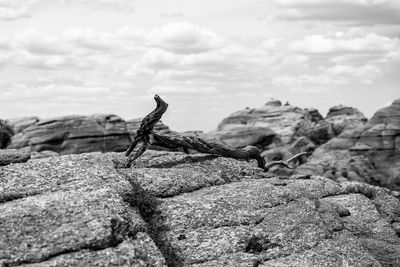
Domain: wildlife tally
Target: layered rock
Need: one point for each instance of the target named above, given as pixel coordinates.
(289, 123)
(370, 152)
(19, 124)
(188, 210)
(75, 134)
(343, 118)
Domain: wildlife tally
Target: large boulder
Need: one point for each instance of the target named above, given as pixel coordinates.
(343, 118)
(19, 124)
(369, 153)
(243, 135)
(6, 132)
(75, 134)
(188, 210)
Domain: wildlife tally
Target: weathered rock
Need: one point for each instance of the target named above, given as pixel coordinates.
(369, 153)
(343, 118)
(71, 211)
(285, 121)
(8, 156)
(75, 134)
(6, 133)
(19, 124)
(243, 135)
(197, 210)
(222, 212)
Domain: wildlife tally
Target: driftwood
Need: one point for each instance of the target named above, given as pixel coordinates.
(145, 137)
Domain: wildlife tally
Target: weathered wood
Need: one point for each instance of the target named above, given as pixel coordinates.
(145, 137)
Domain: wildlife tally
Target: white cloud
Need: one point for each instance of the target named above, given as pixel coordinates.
(354, 12)
(352, 41)
(185, 38)
(15, 9)
(321, 80)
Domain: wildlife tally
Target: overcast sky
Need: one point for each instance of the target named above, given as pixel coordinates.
(206, 58)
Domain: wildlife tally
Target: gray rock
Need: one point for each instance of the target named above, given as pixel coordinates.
(75, 134)
(8, 156)
(368, 153)
(19, 124)
(188, 210)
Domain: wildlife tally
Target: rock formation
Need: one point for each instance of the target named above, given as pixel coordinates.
(188, 210)
(75, 134)
(19, 124)
(369, 153)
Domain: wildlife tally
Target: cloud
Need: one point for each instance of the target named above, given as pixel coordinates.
(354, 12)
(171, 15)
(321, 80)
(352, 41)
(185, 38)
(15, 9)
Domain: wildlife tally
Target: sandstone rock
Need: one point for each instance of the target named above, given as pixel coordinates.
(6, 133)
(75, 134)
(243, 135)
(344, 118)
(19, 124)
(8, 156)
(188, 210)
(367, 153)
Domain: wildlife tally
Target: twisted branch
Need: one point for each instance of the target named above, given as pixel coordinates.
(145, 137)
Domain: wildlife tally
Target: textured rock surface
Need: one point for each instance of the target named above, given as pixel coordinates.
(19, 124)
(369, 153)
(291, 125)
(8, 156)
(188, 210)
(343, 118)
(6, 133)
(75, 134)
(243, 135)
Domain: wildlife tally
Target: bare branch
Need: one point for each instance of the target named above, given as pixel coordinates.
(145, 137)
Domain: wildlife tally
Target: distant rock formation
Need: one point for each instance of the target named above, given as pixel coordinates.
(174, 209)
(75, 134)
(283, 131)
(6, 133)
(369, 153)
(19, 124)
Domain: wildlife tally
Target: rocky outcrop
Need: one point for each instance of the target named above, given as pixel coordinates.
(19, 124)
(75, 134)
(188, 210)
(343, 118)
(290, 124)
(369, 153)
(243, 135)
(6, 133)
(8, 156)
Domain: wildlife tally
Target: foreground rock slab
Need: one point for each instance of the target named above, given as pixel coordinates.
(176, 209)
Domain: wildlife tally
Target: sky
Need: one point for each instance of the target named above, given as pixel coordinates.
(207, 58)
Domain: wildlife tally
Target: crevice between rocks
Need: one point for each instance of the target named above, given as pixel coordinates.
(147, 206)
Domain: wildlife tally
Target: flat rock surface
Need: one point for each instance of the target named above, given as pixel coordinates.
(177, 209)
